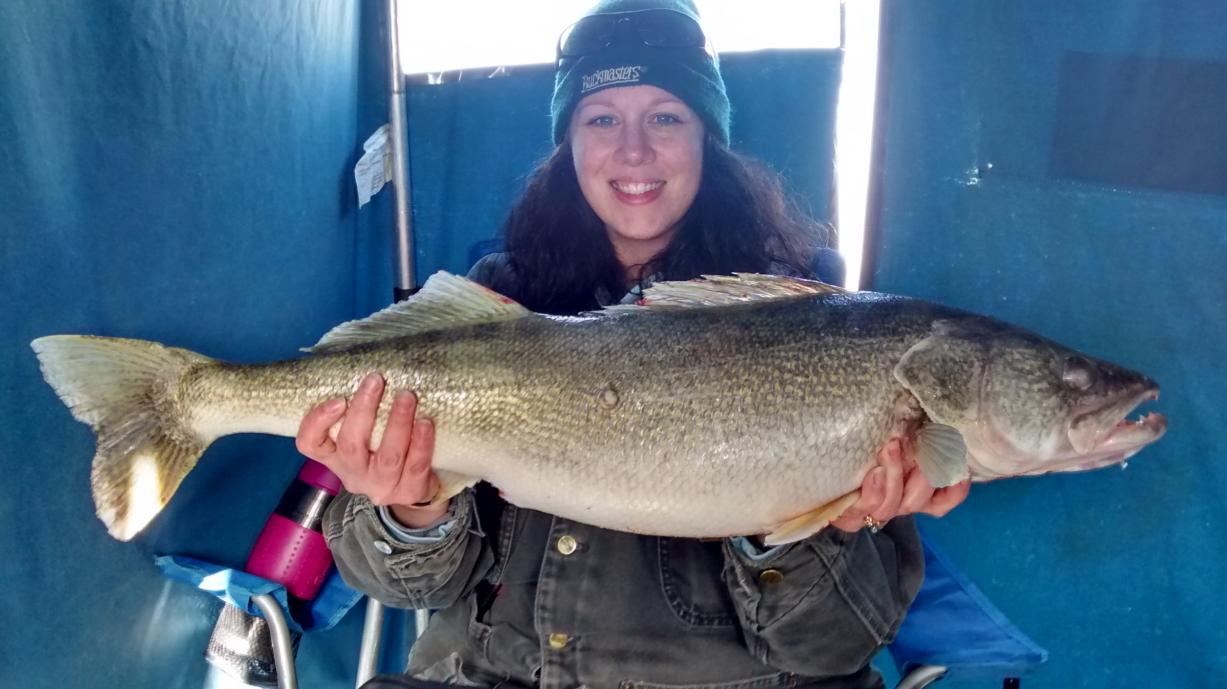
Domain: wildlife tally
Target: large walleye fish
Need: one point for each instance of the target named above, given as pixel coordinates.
(728, 406)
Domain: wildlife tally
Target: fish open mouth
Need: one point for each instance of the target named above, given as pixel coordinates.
(1108, 436)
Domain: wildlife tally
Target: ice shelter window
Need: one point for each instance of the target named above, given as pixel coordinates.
(438, 37)
(439, 40)
(1136, 121)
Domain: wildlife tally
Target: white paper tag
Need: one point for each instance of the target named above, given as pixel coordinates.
(374, 168)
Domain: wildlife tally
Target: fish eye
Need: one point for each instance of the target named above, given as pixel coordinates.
(1078, 373)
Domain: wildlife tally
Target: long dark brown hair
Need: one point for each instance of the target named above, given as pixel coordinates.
(741, 220)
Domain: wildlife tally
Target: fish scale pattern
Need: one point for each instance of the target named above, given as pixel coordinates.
(705, 422)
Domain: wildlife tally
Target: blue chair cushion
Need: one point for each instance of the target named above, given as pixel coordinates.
(952, 624)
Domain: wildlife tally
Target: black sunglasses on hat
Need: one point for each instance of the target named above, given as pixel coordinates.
(655, 28)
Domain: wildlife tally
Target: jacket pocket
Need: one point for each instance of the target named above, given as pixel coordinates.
(479, 631)
(692, 584)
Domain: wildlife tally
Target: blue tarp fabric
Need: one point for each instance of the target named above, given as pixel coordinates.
(182, 172)
(236, 587)
(952, 624)
(1051, 163)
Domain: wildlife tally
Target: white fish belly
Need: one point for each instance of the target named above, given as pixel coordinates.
(674, 496)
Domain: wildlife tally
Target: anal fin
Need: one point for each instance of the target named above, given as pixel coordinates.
(811, 522)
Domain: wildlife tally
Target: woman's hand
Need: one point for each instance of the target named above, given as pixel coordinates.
(398, 474)
(897, 487)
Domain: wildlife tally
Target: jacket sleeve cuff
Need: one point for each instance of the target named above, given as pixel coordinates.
(754, 552)
(358, 523)
(424, 536)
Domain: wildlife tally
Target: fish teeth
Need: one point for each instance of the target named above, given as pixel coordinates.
(637, 188)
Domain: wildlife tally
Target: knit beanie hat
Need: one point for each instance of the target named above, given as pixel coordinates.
(691, 74)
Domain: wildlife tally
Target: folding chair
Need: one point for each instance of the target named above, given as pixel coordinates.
(952, 631)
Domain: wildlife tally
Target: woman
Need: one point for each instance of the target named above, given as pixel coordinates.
(641, 186)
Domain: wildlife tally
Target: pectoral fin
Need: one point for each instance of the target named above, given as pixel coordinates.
(941, 454)
(811, 522)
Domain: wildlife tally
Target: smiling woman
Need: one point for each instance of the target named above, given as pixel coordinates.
(641, 187)
(639, 158)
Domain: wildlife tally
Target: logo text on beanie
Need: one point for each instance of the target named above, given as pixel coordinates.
(608, 77)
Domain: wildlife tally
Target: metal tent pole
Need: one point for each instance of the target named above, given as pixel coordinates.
(405, 284)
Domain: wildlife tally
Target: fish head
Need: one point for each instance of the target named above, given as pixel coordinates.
(1026, 405)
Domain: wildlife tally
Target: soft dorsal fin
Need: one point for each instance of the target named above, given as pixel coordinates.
(723, 290)
(445, 301)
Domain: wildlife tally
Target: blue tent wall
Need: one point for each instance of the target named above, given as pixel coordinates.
(1116, 573)
(180, 172)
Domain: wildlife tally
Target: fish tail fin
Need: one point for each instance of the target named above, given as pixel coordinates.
(126, 391)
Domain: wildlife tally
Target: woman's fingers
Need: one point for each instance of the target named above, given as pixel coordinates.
(312, 439)
(898, 487)
(948, 498)
(891, 461)
(388, 465)
(417, 464)
(401, 471)
(919, 496)
(917, 492)
(397, 436)
(353, 440)
(418, 483)
(872, 492)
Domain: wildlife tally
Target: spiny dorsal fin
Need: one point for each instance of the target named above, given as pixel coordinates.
(723, 290)
(445, 301)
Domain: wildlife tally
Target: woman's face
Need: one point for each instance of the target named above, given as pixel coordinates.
(638, 154)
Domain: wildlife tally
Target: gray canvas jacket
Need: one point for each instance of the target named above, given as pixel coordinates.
(526, 599)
